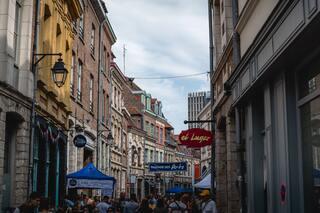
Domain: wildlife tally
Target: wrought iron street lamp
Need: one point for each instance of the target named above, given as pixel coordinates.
(58, 71)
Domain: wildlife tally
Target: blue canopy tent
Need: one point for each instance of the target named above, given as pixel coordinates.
(90, 177)
(175, 190)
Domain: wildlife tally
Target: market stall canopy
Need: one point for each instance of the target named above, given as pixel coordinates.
(90, 178)
(205, 183)
(179, 190)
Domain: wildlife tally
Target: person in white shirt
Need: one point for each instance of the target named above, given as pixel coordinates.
(208, 205)
(104, 205)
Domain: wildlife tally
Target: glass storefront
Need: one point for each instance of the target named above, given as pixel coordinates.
(309, 86)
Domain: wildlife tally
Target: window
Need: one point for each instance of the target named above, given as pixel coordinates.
(160, 160)
(72, 73)
(156, 132)
(146, 157)
(222, 6)
(151, 156)
(91, 94)
(81, 31)
(119, 99)
(103, 106)
(152, 130)
(157, 156)
(93, 32)
(79, 98)
(103, 60)
(222, 28)
(16, 31)
(139, 157)
(115, 97)
(161, 135)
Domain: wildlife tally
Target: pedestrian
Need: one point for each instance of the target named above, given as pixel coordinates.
(208, 205)
(104, 205)
(177, 206)
(161, 208)
(144, 206)
(31, 205)
(132, 205)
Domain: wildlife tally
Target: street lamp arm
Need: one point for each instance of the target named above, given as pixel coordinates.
(43, 55)
(199, 121)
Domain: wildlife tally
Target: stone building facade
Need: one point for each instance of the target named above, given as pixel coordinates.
(56, 35)
(16, 93)
(226, 148)
(267, 129)
(119, 123)
(89, 104)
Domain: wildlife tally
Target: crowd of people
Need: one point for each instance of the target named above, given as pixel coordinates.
(179, 203)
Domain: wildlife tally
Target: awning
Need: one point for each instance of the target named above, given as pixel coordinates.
(90, 178)
(205, 183)
(179, 190)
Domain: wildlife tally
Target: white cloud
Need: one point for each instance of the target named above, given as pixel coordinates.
(163, 38)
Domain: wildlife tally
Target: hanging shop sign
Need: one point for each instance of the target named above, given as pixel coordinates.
(195, 138)
(79, 141)
(168, 167)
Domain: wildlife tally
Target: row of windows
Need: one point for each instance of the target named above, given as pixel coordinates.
(79, 87)
(154, 131)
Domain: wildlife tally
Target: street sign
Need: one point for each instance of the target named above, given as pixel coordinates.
(168, 167)
(80, 141)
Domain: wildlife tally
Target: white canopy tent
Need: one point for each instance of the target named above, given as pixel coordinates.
(205, 183)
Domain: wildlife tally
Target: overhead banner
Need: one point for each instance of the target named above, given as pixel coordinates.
(195, 138)
(90, 184)
(168, 167)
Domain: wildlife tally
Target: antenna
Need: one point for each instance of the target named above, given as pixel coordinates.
(124, 59)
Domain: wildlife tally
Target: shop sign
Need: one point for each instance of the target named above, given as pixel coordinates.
(195, 138)
(168, 167)
(80, 141)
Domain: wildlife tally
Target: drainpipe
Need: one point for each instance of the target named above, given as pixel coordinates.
(211, 49)
(33, 106)
(236, 36)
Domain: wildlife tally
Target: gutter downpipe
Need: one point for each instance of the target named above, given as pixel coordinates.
(33, 106)
(210, 20)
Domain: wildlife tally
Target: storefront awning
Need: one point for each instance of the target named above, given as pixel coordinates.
(90, 178)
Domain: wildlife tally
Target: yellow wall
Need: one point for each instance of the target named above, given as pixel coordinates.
(255, 21)
(53, 100)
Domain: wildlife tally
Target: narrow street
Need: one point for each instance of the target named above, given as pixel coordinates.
(155, 106)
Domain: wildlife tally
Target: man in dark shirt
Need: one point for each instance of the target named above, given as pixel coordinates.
(31, 205)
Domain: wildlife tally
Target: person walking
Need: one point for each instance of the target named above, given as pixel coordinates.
(104, 205)
(132, 205)
(31, 205)
(161, 208)
(144, 207)
(177, 206)
(208, 205)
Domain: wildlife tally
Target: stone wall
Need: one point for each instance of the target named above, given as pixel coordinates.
(20, 110)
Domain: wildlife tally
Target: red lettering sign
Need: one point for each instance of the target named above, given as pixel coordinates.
(195, 138)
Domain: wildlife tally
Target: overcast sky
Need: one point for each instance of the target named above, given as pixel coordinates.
(163, 38)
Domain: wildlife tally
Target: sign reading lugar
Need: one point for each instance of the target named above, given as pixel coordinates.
(195, 138)
(168, 167)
